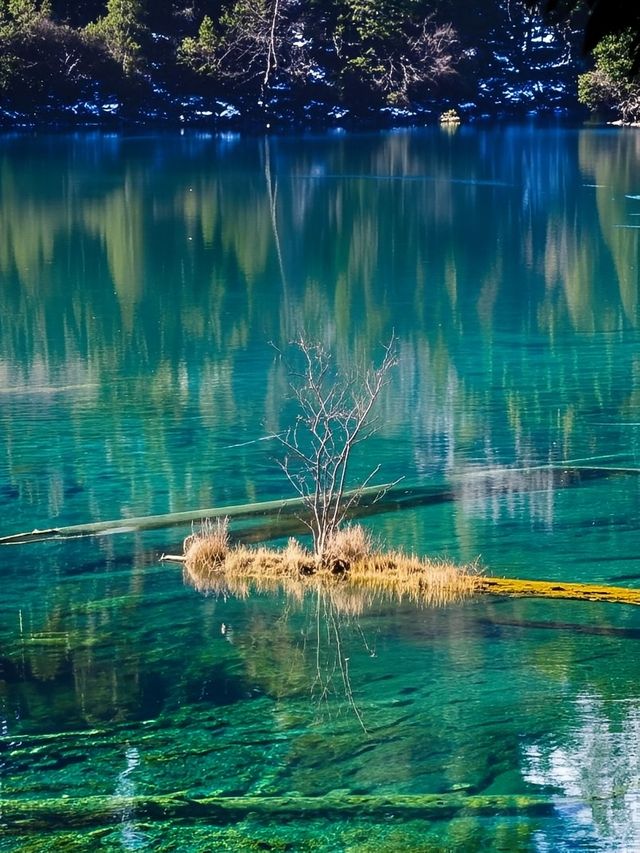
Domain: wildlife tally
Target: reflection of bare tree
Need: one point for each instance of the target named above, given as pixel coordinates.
(331, 658)
(331, 607)
(313, 656)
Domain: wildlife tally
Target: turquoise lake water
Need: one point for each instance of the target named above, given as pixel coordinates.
(143, 280)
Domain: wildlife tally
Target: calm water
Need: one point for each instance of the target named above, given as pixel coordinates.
(142, 280)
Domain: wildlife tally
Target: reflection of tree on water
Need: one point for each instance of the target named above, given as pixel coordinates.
(334, 658)
(290, 657)
(598, 764)
(83, 297)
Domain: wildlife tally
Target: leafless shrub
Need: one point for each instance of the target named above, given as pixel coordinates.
(333, 417)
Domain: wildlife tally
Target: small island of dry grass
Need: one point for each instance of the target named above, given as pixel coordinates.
(355, 573)
(350, 566)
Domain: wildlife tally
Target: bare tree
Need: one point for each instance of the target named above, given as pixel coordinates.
(255, 43)
(397, 54)
(427, 56)
(334, 415)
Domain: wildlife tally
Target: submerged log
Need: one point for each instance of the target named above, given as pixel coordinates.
(27, 815)
(153, 522)
(519, 588)
(566, 474)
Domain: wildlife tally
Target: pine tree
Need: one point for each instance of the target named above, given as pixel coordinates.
(119, 30)
(200, 53)
(18, 20)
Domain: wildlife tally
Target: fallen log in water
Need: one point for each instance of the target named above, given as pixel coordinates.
(519, 588)
(390, 573)
(28, 815)
(566, 474)
(152, 522)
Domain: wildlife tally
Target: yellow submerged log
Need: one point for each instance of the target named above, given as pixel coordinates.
(519, 588)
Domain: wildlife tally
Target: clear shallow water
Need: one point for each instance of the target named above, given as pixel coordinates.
(142, 279)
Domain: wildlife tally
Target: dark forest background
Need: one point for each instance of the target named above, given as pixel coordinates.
(301, 61)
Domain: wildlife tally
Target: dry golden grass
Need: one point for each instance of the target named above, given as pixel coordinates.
(208, 547)
(395, 575)
(352, 572)
(350, 543)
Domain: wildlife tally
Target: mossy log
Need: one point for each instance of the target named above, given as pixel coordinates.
(38, 814)
(517, 587)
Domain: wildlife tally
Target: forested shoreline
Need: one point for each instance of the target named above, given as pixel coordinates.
(299, 62)
(302, 62)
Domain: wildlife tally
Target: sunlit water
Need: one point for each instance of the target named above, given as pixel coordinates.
(142, 280)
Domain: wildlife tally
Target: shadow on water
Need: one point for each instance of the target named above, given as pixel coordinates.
(572, 627)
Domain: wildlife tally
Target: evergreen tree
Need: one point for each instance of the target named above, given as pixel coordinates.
(24, 14)
(120, 30)
(200, 52)
(612, 84)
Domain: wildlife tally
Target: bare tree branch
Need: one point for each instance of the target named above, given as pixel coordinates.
(334, 415)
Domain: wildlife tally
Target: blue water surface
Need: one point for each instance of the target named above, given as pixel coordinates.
(144, 281)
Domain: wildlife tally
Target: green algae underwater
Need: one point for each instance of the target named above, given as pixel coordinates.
(141, 279)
